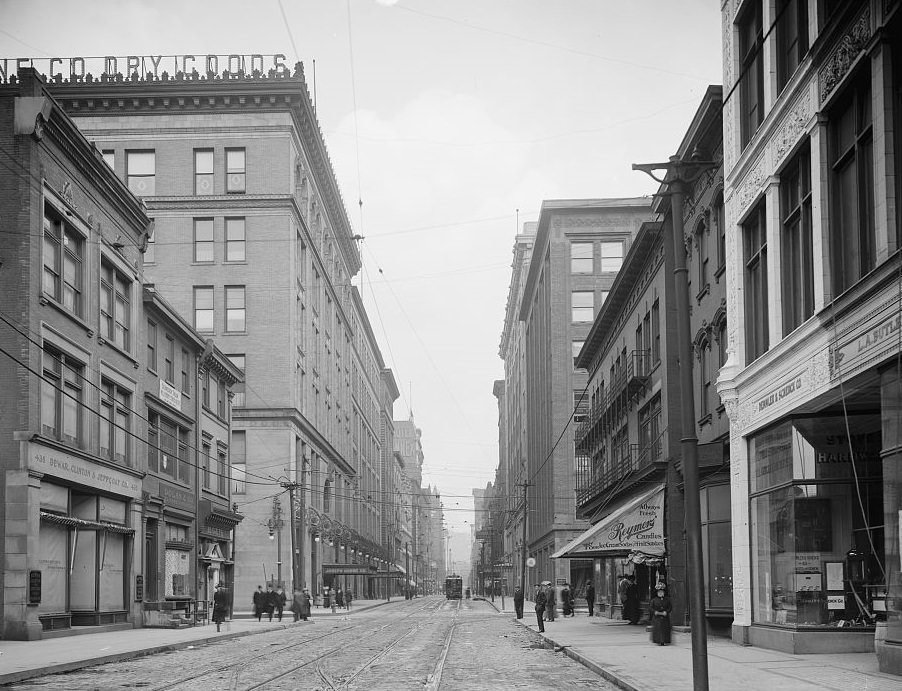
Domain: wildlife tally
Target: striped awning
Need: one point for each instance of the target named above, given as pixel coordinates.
(73, 522)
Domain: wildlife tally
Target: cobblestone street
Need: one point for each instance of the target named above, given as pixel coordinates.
(428, 643)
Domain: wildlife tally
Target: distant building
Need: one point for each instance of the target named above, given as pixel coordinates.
(812, 162)
(578, 249)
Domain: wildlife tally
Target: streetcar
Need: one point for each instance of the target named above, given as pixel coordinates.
(454, 587)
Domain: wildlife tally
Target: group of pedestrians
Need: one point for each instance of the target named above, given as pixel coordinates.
(269, 601)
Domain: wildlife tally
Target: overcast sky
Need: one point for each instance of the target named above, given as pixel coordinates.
(444, 117)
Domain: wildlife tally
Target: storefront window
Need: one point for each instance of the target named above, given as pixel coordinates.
(816, 522)
(717, 546)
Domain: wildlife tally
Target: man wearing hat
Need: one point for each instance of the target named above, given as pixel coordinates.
(540, 606)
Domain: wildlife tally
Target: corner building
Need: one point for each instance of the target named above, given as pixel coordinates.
(811, 385)
(254, 246)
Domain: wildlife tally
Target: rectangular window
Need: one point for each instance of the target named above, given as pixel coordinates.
(220, 398)
(235, 241)
(792, 38)
(650, 443)
(238, 449)
(203, 171)
(754, 232)
(140, 171)
(167, 448)
(611, 256)
(235, 171)
(702, 238)
(115, 306)
(798, 264)
(64, 252)
(186, 372)
(582, 307)
(169, 360)
(704, 372)
(109, 157)
(203, 240)
(203, 308)
(235, 308)
(581, 257)
(151, 346)
(114, 422)
(853, 241)
(576, 346)
(222, 478)
(655, 332)
(62, 397)
(721, 220)
(751, 87)
(205, 455)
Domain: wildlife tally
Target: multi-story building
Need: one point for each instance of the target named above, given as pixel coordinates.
(188, 522)
(629, 444)
(71, 245)
(812, 162)
(578, 249)
(511, 395)
(252, 240)
(115, 437)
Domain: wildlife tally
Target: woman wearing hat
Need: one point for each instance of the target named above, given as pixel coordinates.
(660, 608)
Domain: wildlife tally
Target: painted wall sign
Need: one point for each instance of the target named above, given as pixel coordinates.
(70, 467)
(779, 393)
(176, 497)
(170, 395)
(77, 67)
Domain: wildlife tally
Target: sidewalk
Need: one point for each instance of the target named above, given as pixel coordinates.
(624, 655)
(21, 660)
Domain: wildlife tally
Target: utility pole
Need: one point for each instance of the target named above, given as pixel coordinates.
(275, 530)
(677, 175)
(296, 523)
(523, 550)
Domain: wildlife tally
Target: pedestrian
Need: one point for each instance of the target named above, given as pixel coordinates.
(339, 598)
(348, 599)
(623, 586)
(259, 603)
(518, 601)
(220, 605)
(632, 600)
(551, 604)
(279, 603)
(660, 608)
(305, 604)
(590, 598)
(270, 601)
(540, 600)
(566, 600)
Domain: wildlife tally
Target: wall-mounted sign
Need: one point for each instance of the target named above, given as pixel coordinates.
(70, 467)
(170, 395)
(34, 587)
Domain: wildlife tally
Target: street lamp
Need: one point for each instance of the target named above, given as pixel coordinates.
(275, 525)
(678, 174)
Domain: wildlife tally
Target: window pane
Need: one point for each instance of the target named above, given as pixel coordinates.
(582, 306)
(611, 256)
(235, 240)
(235, 312)
(581, 257)
(203, 309)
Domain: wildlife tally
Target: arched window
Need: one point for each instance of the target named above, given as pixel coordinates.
(327, 496)
(720, 221)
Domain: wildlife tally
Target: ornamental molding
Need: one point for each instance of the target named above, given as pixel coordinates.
(749, 188)
(792, 128)
(837, 65)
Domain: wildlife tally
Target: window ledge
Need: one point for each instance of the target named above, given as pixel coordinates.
(47, 300)
(109, 344)
(704, 420)
(704, 291)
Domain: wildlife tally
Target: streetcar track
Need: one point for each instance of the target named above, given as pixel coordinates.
(435, 679)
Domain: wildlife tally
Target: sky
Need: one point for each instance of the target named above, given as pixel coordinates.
(448, 122)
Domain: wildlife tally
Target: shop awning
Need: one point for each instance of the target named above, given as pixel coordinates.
(73, 522)
(637, 526)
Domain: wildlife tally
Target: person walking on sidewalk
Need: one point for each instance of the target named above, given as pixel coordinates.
(590, 598)
(566, 600)
(550, 604)
(220, 605)
(296, 604)
(660, 608)
(623, 587)
(632, 600)
(259, 603)
(269, 601)
(348, 599)
(518, 601)
(540, 600)
(279, 602)
(305, 604)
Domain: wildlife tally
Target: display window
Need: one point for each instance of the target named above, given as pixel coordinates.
(816, 514)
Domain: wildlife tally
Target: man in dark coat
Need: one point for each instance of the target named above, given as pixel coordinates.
(220, 605)
(590, 598)
(518, 601)
(305, 604)
(540, 606)
(632, 600)
(280, 601)
(259, 603)
(270, 601)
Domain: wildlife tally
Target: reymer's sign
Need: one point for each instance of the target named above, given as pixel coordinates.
(78, 67)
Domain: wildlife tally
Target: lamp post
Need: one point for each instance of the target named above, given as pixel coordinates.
(275, 526)
(677, 175)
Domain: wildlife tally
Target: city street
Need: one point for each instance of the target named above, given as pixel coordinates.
(429, 643)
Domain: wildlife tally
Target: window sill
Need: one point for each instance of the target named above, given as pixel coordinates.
(47, 300)
(109, 344)
(235, 262)
(704, 420)
(704, 291)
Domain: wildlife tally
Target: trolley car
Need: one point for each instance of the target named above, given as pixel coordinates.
(454, 587)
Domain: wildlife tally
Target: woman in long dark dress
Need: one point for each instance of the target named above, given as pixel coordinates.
(660, 608)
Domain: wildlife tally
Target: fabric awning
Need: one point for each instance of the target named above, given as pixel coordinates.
(637, 526)
(73, 522)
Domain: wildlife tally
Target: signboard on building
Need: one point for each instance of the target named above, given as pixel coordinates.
(170, 395)
(68, 466)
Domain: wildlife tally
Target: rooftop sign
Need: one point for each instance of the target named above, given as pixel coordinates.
(78, 67)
